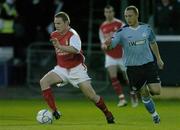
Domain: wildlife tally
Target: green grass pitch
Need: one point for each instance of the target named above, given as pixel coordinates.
(80, 114)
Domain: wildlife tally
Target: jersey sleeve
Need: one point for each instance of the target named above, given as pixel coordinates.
(152, 37)
(75, 41)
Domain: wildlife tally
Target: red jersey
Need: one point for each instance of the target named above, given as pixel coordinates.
(106, 30)
(65, 59)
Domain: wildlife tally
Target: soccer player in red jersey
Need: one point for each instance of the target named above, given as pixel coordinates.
(70, 67)
(113, 58)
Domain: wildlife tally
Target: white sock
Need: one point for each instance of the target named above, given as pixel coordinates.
(154, 114)
(121, 97)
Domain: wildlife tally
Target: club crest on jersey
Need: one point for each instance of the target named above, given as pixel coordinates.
(115, 28)
(104, 30)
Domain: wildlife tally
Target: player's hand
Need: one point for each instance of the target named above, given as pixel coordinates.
(104, 47)
(160, 64)
(55, 42)
(108, 42)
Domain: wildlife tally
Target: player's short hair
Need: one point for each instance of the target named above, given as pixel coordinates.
(134, 8)
(64, 16)
(109, 7)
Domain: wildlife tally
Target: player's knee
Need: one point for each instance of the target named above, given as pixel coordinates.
(156, 91)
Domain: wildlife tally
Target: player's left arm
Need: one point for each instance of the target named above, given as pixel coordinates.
(155, 49)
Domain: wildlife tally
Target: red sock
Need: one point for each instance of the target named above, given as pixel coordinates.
(49, 98)
(101, 105)
(116, 85)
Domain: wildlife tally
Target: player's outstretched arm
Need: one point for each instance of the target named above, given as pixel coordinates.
(107, 45)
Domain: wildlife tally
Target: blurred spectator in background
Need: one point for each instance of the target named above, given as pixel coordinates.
(8, 14)
(164, 17)
(8, 17)
(21, 23)
(8, 38)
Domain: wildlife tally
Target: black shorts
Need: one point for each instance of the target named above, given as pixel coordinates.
(144, 74)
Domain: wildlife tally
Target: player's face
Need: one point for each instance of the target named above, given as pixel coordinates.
(131, 17)
(109, 13)
(60, 25)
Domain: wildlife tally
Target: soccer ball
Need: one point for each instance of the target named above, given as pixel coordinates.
(44, 116)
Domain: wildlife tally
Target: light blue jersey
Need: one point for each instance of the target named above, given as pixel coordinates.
(136, 44)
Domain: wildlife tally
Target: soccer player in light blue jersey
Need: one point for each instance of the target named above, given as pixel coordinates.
(142, 57)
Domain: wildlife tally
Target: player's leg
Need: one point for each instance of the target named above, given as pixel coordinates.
(153, 79)
(123, 69)
(113, 70)
(133, 94)
(45, 83)
(149, 103)
(154, 86)
(134, 98)
(89, 92)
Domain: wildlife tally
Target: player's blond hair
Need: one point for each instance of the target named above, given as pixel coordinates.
(134, 8)
(64, 16)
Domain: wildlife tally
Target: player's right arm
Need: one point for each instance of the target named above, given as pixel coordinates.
(112, 42)
(101, 38)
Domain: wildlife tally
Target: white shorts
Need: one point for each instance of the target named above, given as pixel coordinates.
(109, 61)
(73, 76)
